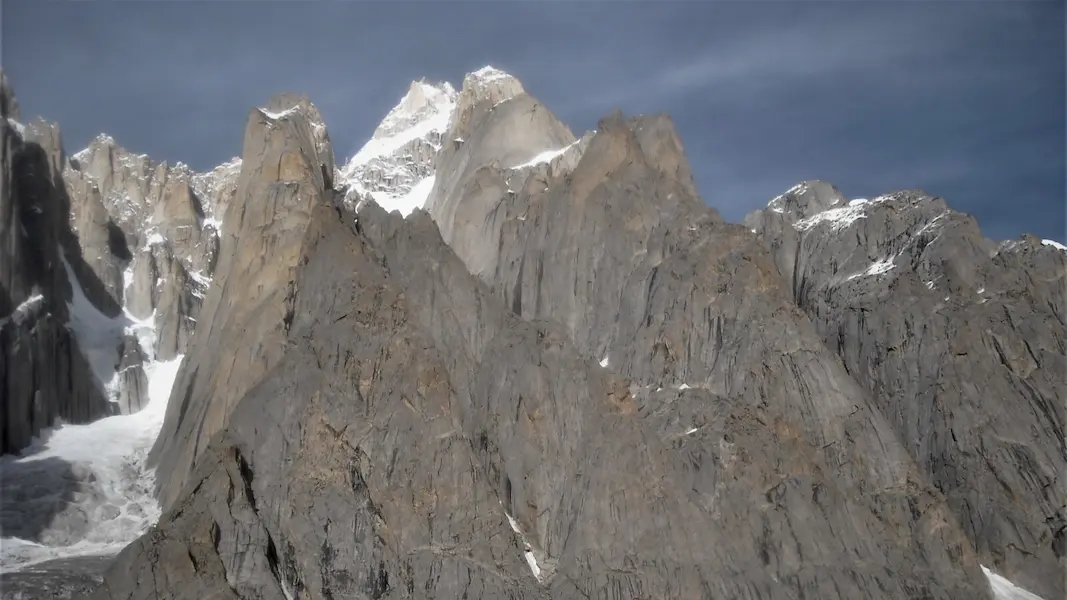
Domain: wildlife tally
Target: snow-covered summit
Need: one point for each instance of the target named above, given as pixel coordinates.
(424, 103)
(395, 167)
(489, 84)
(489, 73)
(423, 111)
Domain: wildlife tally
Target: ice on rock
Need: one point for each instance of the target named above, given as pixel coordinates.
(278, 114)
(23, 309)
(836, 218)
(489, 73)
(531, 560)
(17, 126)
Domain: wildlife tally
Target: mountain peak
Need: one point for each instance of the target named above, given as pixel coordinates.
(490, 83)
(807, 198)
(489, 73)
(395, 167)
(424, 108)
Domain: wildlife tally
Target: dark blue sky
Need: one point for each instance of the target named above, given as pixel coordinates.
(962, 98)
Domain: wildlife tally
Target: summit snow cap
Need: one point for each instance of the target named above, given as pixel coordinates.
(395, 167)
(424, 110)
(490, 83)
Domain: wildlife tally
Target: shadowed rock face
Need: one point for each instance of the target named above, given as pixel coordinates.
(961, 344)
(129, 235)
(43, 374)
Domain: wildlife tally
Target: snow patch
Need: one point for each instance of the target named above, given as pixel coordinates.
(1054, 244)
(115, 487)
(1003, 589)
(127, 279)
(154, 238)
(18, 127)
(837, 218)
(27, 305)
(406, 203)
(200, 278)
(545, 157)
(878, 268)
(99, 336)
(604, 362)
(527, 549)
(213, 223)
(405, 124)
(489, 73)
(279, 115)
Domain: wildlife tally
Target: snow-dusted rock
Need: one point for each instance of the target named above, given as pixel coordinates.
(962, 344)
(395, 168)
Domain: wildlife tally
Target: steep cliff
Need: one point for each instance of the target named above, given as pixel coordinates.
(104, 258)
(44, 373)
(488, 358)
(960, 342)
(398, 427)
(286, 168)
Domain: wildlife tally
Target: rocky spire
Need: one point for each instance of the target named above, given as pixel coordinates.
(284, 174)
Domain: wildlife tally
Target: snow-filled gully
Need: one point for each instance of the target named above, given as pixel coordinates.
(86, 490)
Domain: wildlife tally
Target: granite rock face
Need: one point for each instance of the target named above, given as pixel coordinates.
(416, 439)
(370, 419)
(166, 237)
(286, 168)
(44, 375)
(960, 342)
(500, 127)
(104, 257)
(565, 378)
(110, 247)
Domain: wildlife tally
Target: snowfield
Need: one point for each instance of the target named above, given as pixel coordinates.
(84, 489)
